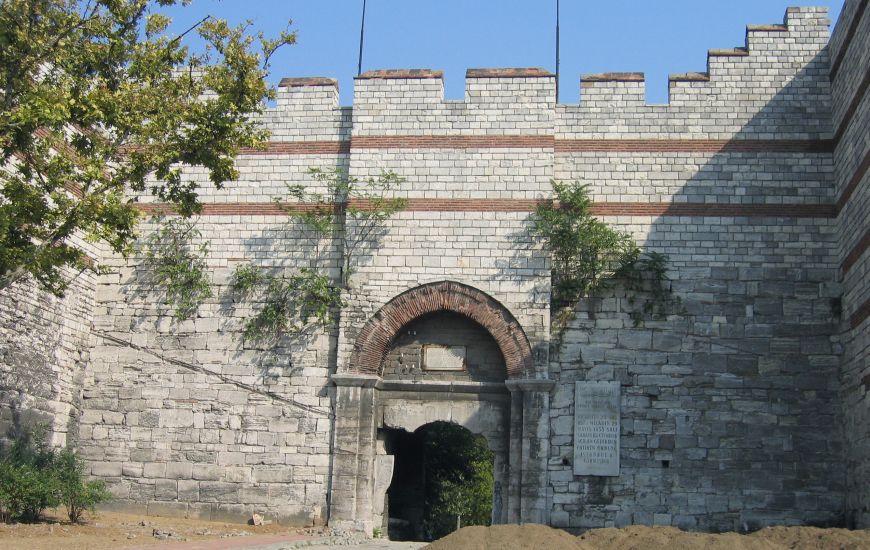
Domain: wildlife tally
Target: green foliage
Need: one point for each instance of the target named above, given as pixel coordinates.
(348, 212)
(35, 476)
(96, 101)
(647, 277)
(74, 492)
(291, 305)
(177, 267)
(459, 479)
(25, 491)
(588, 255)
(351, 209)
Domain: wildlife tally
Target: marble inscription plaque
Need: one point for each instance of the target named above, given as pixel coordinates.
(437, 357)
(596, 428)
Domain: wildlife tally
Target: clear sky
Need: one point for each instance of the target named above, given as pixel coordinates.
(656, 37)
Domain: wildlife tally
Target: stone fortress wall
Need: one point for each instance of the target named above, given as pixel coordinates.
(849, 51)
(746, 407)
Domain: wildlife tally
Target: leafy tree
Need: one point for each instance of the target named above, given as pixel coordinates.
(588, 255)
(459, 479)
(97, 102)
(349, 213)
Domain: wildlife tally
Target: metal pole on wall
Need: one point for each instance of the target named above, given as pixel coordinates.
(557, 51)
(362, 30)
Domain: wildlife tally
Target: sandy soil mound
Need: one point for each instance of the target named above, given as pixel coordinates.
(521, 537)
(637, 537)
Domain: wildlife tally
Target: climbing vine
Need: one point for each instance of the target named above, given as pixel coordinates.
(349, 212)
(177, 265)
(588, 256)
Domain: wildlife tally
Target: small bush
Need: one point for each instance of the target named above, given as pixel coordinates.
(26, 491)
(74, 492)
(34, 476)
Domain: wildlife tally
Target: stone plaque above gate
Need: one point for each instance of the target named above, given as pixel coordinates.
(437, 357)
(596, 428)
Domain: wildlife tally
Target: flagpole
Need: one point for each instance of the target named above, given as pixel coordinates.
(557, 51)
(362, 29)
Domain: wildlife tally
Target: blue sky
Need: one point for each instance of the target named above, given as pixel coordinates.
(655, 37)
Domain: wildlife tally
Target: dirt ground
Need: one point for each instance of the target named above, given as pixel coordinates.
(539, 537)
(109, 530)
(106, 530)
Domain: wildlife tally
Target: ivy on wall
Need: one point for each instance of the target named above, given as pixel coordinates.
(177, 265)
(589, 256)
(350, 213)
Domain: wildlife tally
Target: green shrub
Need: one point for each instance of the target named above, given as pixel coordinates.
(26, 491)
(34, 476)
(74, 492)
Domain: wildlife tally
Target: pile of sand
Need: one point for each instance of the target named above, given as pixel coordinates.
(638, 537)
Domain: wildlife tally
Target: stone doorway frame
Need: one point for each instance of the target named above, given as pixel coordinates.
(359, 387)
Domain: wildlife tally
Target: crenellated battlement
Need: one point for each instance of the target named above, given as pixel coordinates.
(603, 89)
(522, 100)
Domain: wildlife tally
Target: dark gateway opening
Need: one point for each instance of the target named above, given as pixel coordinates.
(443, 479)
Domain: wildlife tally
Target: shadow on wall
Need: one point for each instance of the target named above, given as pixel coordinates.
(729, 409)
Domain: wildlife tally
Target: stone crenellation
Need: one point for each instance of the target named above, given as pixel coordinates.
(745, 406)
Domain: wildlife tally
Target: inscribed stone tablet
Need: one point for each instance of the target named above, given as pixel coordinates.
(437, 357)
(596, 428)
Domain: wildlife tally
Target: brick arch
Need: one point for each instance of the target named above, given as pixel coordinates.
(375, 338)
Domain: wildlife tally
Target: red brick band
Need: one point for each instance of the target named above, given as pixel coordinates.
(612, 77)
(374, 339)
(452, 142)
(857, 251)
(860, 315)
(343, 147)
(305, 81)
(715, 210)
(323, 147)
(694, 145)
(776, 27)
(689, 77)
(728, 52)
(856, 178)
(400, 74)
(523, 72)
(860, 92)
(853, 27)
(513, 205)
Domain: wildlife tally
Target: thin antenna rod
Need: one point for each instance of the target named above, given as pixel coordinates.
(557, 51)
(362, 30)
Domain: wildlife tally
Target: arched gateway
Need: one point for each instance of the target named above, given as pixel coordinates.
(449, 352)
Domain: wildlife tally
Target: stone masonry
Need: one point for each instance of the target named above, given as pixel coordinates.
(747, 405)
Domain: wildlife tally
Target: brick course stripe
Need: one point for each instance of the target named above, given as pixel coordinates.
(336, 147)
(857, 251)
(860, 315)
(339, 147)
(715, 210)
(853, 107)
(694, 145)
(853, 27)
(512, 205)
(856, 178)
(452, 142)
